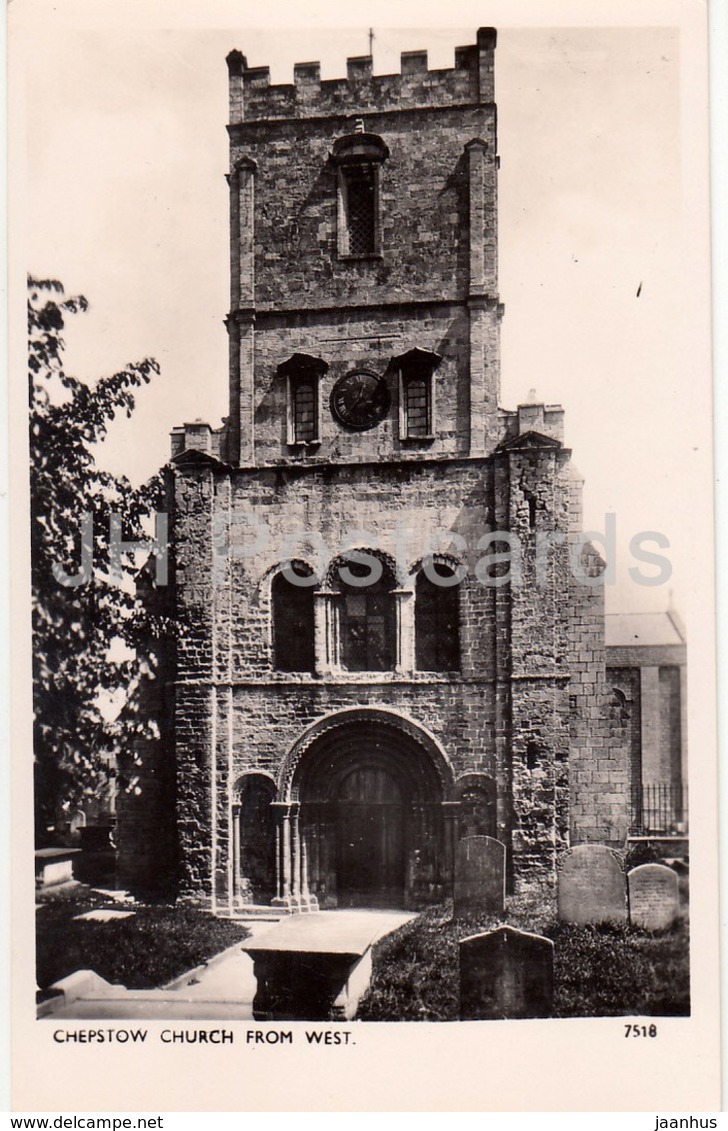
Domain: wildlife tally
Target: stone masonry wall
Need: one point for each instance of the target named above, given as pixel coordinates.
(601, 740)
(368, 340)
(506, 715)
(423, 209)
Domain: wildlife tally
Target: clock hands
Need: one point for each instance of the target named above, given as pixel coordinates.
(360, 400)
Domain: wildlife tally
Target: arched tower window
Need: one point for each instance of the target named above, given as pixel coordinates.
(359, 157)
(303, 374)
(416, 393)
(367, 618)
(293, 619)
(437, 620)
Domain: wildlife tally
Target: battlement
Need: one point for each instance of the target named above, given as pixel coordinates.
(546, 419)
(470, 81)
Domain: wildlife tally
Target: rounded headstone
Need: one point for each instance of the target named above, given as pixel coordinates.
(506, 973)
(592, 887)
(480, 876)
(653, 897)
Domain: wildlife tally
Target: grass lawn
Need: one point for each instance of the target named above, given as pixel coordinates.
(603, 971)
(151, 947)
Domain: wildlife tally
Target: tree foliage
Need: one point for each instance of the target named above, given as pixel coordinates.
(79, 631)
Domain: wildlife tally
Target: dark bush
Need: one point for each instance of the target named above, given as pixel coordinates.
(155, 945)
(609, 970)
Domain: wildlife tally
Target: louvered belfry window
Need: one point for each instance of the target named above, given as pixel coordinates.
(359, 157)
(360, 205)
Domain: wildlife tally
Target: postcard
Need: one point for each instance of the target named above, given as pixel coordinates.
(363, 698)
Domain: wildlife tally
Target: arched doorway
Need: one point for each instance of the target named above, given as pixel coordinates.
(368, 823)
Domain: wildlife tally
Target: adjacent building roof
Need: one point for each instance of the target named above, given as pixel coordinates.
(645, 630)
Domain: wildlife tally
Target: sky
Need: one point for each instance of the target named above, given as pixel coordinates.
(121, 154)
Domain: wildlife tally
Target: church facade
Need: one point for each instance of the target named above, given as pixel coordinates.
(390, 634)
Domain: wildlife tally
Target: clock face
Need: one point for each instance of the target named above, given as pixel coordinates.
(360, 399)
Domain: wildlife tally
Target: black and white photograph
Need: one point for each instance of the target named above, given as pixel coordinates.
(365, 553)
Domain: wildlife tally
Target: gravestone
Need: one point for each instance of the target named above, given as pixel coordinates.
(480, 876)
(506, 973)
(653, 897)
(592, 888)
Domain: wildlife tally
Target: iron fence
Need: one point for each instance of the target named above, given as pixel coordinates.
(660, 808)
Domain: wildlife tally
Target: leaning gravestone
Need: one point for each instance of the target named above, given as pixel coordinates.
(480, 876)
(506, 973)
(653, 897)
(591, 886)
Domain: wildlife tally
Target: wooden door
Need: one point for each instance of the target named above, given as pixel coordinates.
(370, 840)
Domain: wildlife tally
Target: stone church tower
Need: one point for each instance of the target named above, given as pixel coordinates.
(363, 675)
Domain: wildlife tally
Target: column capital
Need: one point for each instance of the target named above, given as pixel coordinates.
(283, 808)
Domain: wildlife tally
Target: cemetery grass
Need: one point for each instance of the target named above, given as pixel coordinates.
(158, 943)
(611, 970)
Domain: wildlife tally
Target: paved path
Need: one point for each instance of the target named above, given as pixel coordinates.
(224, 989)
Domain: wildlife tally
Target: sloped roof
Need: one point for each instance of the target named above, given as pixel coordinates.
(623, 630)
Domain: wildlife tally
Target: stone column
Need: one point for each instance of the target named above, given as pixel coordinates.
(292, 890)
(285, 875)
(308, 901)
(295, 859)
(242, 310)
(333, 630)
(236, 853)
(322, 662)
(244, 285)
(405, 631)
(475, 151)
(279, 856)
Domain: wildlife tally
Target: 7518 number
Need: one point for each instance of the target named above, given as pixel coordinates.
(640, 1030)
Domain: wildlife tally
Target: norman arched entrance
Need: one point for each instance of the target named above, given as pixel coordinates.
(367, 820)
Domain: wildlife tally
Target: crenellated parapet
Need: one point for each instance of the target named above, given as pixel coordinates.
(470, 81)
